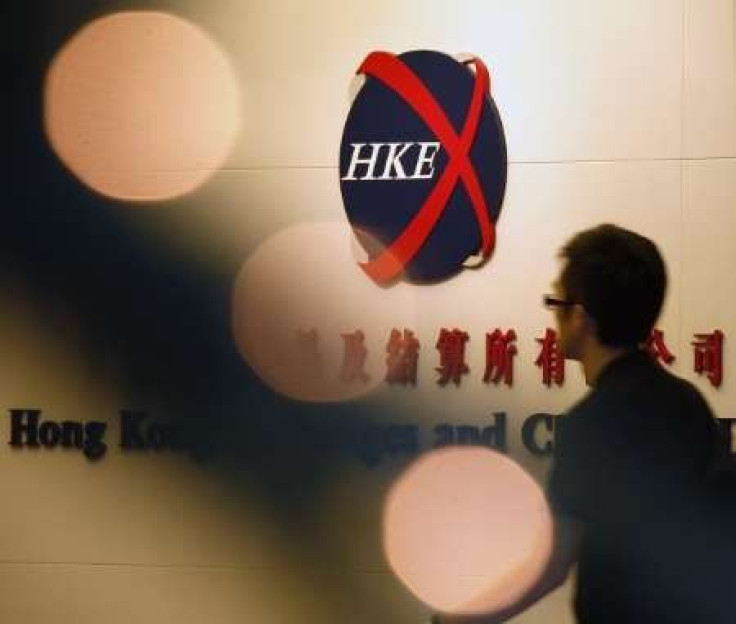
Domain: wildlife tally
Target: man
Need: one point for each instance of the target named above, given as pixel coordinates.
(632, 457)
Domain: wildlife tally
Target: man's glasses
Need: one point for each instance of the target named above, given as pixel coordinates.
(551, 302)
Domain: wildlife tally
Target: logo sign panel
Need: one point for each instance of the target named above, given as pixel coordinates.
(423, 165)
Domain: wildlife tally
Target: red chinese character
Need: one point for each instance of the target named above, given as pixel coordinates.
(709, 356)
(500, 357)
(353, 358)
(550, 359)
(451, 345)
(308, 358)
(657, 348)
(403, 354)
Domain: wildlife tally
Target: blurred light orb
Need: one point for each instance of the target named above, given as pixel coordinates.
(294, 302)
(467, 530)
(141, 106)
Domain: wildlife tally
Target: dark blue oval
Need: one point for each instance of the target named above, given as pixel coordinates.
(382, 209)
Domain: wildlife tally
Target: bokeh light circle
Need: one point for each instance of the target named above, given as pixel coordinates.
(296, 297)
(141, 106)
(467, 530)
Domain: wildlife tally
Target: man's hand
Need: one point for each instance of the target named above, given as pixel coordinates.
(479, 619)
(568, 535)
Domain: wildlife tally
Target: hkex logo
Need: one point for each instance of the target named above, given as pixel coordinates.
(422, 165)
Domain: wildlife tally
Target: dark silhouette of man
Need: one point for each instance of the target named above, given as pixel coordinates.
(629, 482)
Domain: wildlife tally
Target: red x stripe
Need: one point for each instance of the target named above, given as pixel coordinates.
(401, 79)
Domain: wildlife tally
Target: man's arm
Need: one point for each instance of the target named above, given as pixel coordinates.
(568, 535)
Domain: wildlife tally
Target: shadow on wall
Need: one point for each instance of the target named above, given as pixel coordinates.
(163, 319)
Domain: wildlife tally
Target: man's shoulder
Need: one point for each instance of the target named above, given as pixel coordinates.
(663, 386)
(652, 393)
(648, 382)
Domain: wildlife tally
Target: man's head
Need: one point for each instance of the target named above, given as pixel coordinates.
(614, 281)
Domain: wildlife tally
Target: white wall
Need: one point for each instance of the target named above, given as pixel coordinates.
(618, 110)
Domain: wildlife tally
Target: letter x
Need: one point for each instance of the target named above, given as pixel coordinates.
(401, 79)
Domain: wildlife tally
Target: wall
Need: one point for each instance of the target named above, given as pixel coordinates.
(618, 112)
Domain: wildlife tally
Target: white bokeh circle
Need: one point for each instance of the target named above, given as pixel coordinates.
(307, 278)
(141, 106)
(467, 530)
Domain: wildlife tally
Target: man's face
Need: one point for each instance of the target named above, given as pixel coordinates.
(568, 321)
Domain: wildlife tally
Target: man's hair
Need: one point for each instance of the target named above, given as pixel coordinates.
(619, 277)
